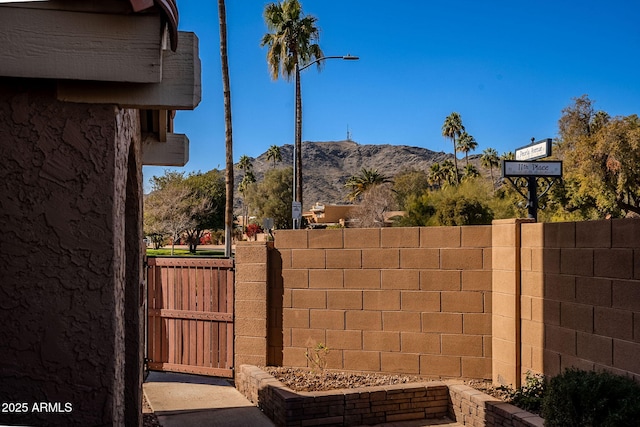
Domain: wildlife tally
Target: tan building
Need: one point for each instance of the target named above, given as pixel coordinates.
(328, 214)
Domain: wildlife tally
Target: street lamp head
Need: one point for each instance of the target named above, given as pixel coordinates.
(350, 58)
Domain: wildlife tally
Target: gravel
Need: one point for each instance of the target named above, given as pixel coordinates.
(299, 379)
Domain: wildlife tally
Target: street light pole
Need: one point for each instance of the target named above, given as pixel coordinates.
(297, 146)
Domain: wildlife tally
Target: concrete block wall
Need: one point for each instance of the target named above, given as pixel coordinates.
(250, 306)
(406, 300)
(581, 296)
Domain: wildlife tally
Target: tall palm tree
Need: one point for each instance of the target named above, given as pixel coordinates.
(292, 43)
(366, 179)
(273, 153)
(248, 179)
(451, 129)
(490, 160)
(467, 143)
(228, 140)
(244, 164)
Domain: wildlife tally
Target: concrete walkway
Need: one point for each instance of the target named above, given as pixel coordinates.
(181, 400)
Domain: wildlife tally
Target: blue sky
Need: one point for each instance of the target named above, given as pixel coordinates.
(508, 67)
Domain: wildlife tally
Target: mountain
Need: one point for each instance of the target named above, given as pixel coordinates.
(326, 166)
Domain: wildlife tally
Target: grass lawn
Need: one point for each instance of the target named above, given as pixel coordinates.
(183, 252)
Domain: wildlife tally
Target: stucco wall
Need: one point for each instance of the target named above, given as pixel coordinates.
(62, 294)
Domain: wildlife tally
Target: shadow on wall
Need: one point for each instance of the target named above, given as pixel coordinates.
(275, 338)
(581, 297)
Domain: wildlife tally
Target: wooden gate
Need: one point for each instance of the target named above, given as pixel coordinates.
(190, 315)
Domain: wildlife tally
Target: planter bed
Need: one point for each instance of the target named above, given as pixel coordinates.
(377, 405)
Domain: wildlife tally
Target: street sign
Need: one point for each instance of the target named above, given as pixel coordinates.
(296, 210)
(267, 223)
(535, 150)
(514, 168)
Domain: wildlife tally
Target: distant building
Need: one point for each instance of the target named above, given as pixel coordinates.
(322, 215)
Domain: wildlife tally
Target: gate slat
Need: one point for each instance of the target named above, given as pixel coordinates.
(190, 314)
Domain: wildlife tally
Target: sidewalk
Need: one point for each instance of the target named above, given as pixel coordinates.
(190, 400)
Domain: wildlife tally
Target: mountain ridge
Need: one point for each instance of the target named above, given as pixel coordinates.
(326, 165)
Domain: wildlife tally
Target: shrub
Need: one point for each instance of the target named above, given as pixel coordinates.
(588, 398)
(253, 229)
(529, 396)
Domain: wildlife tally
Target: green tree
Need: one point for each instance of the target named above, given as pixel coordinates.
(453, 128)
(208, 196)
(272, 197)
(601, 157)
(365, 180)
(292, 42)
(463, 211)
(409, 183)
(490, 160)
(228, 139)
(273, 154)
(467, 143)
(186, 206)
(419, 211)
(167, 211)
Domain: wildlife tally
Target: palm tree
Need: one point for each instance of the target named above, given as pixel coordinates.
(248, 179)
(244, 164)
(365, 180)
(292, 43)
(226, 89)
(273, 153)
(436, 174)
(451, 129)
(470, 172)
(467, 143)
(490, 160)
(450, 172)
(509, 155)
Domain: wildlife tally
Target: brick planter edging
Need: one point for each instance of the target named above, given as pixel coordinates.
(375, 405)
(471, 407)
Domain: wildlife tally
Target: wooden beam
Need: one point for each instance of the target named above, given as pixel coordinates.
(139, 5)
(174, 152)
(180, 89)
(57, 44)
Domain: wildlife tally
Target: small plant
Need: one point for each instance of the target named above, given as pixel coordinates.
(588, 399)
(529, 396)
(317, 357)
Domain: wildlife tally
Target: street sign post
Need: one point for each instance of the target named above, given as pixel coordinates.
(524, 167)
(296, 214)
(528, 168)
(535, 150)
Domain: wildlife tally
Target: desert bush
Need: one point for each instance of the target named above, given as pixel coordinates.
(529, 396)
(588, 399)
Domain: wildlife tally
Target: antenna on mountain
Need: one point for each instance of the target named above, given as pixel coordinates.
(348, 134)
